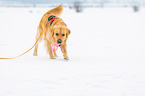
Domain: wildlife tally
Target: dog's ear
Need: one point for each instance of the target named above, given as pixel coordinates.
(68, 32)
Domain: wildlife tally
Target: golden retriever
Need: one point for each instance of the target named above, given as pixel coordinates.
(55, 30)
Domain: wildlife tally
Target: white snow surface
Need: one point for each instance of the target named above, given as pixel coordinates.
(106, 48)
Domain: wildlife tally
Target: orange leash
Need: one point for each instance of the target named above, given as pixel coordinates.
(27, 50)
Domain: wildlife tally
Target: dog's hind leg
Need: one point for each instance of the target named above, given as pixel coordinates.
(35, 50)
(36, 46)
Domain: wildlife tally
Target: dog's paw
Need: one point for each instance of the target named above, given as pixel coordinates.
(52, 58)
(66, 59)
(35, 54)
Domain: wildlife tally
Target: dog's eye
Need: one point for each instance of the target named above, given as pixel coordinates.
(56, 34)
(63, 34)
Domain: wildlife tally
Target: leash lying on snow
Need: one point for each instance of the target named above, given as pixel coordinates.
(27, 50)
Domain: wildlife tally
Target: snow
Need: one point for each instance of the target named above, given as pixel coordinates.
(106, 48)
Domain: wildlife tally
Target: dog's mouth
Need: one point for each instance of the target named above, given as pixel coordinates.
(59, 44)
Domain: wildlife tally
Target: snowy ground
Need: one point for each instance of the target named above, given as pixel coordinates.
(106, 50)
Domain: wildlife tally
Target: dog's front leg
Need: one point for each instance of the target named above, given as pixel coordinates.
(48, 49)
(54, 53)
(64, 51)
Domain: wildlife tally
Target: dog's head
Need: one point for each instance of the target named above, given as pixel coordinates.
(60, 34)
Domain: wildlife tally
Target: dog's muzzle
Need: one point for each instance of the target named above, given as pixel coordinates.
(59, 41)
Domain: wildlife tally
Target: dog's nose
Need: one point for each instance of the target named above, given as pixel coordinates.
(59, 41)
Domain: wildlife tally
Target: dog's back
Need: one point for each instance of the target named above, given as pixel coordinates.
(55, 11)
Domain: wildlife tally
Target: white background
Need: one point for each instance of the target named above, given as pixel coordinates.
(106, 48)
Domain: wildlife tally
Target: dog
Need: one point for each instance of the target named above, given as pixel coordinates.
(55, 30)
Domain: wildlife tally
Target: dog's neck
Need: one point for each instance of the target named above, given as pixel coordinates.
(60, 24)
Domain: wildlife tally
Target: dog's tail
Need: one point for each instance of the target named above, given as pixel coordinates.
(56, 11)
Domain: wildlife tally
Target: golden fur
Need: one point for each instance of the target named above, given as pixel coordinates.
(58, 30)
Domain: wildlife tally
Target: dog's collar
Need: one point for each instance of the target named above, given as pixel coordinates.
(51, 19)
